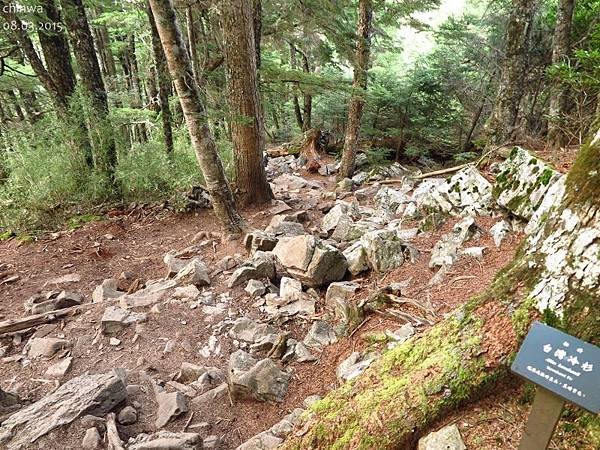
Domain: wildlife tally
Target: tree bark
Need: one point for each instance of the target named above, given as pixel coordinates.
(553, 276)
(307, 107)
(192, 41)
(246, 121)
(297, 110)
(501, 125)
(359, 88)
(91, 79)
(16, 106)
(561, 47)
(57, 55)
(195, 114)
(164, 83)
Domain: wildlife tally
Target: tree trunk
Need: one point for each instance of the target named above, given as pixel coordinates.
(91, 79)
(307, 123)
(195, 114)
(246, 121)
(16, 106)
(297, 110)
(501, 125)
(192, 41)
(57, 55)
(164, 83)
(359, 88)
(554, 276)
(561, 47)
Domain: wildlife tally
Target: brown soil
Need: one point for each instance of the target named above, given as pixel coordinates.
(136, 243)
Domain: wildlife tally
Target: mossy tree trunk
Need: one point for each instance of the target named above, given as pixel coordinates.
(502, 123)
(554, 278)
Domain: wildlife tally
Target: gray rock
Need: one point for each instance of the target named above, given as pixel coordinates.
(247, 330)
(353, 366)
(388, 200)
(165, 440)
(59, 369)
(116, 319)
(190, 292)
(170, 405)
(383, 250)
(401, 335)
(39, 304)
(255, 288)
(189, 372)
(154, 291)
(263, 380)
(127, 416)
(259, 240)
(473, 252)
(260, 265)
(212, 442)
(210, 396)
(339, 299)
(106, 291)
(320, 334)
(311, 400)
(39, 347)
(310, 260)
(338, 213)
(345, 185)
(174, 264)
(448, 438)
(86, 394)
(290, 289)
(357, 258)
(523, 183)
(499, 231)
(263, 441)
(91, 439)
(194, 272)
(303, 354)
(281, 227)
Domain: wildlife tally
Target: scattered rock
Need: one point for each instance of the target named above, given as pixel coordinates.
(116, 319)
(345, 185)
(59, 369)
(383, 250)
(261, 265)
(127, 416)
(194, 272)
(448, 438)
(170, 405)
(353, 366)
(499, 231)
(89, 394)
(106, 291)
(279, 226)
(259, 240)
(339, 298)
(212, 442)
(320, 334)
(91, 439)
(356, 258)
(311, 260)
(40, 304)
(39, 347)
(290, 289)
(262, 380)
(247, 330)
(255, 288)
(165, 440)
(150, 295)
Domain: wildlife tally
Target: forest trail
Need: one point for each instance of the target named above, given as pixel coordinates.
(188, 329)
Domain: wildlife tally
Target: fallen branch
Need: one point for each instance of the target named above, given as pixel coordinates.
(12, 325)
(112, 434)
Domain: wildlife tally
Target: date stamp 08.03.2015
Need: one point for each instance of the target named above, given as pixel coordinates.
(23, 17)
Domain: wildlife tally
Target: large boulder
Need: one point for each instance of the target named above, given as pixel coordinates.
(383, 249)
(523, 183)
(310, 260)
(165, 440)
(260, 265)
(86, 394)
(262, 380)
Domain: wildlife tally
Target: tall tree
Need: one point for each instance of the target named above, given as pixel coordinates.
(195, 114)
(91, 78)
(164, 83)
(561, 46)
(247, 127)
(359, 88)
(501, 125)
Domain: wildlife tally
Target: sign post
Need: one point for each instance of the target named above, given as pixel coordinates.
(564, 368)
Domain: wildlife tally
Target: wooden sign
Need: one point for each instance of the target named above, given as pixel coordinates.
(565, 369)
